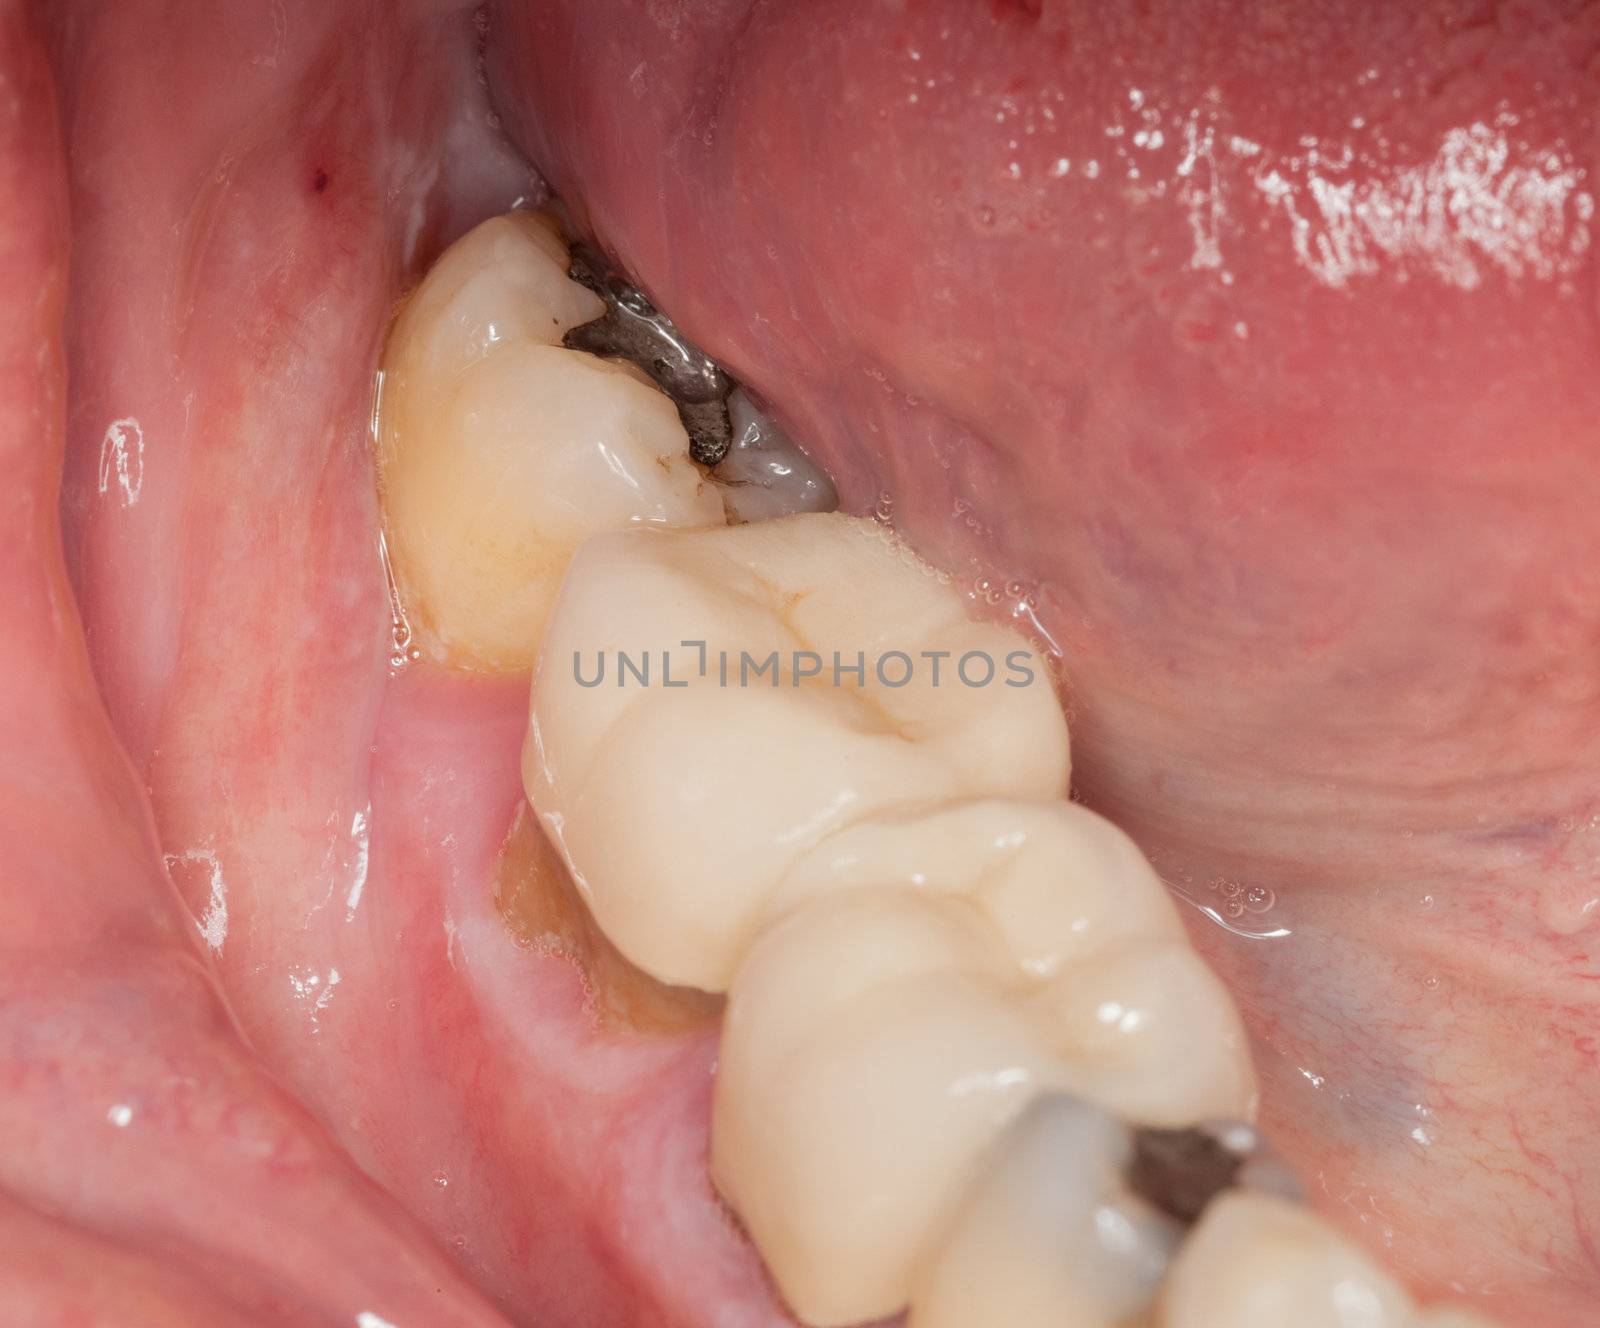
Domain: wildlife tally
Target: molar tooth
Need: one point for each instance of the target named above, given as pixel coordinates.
(871, 1051)
(1144, 1027)
(1258, 1262)
(499, 451)
(726, 786)
(1049, 1237)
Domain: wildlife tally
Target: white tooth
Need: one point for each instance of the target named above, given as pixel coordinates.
(1259, 1262)
(724, 787)
(500, 451)
(1021, 923)
(765, 474)
(1450, 1316)
(1050, 1237)
(1058, 881)
(871, 1051)
(1143, 1026)
(1150, 1033)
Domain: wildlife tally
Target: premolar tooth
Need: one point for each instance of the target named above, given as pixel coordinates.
(1258, 1262)
(1050, 1237)
(499, 451)
(725, 786)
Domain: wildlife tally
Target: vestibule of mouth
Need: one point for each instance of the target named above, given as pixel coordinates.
(777, 772)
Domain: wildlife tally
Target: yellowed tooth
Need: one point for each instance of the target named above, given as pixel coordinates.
(726, 781)
(499, 451)
(1259, 1262)
(505, 280)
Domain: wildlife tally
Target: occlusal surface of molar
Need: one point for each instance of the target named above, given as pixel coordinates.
(1071, 977)
(730, 772)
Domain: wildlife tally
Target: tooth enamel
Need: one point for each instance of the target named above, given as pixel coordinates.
(726, 786)
(499, 451)
(1145, 1028)
(1037, 924)
(871, 1050)
(1057, 880)
(1150, 1033)
(1050, 1237)
(1258, 1262)
(505, 280)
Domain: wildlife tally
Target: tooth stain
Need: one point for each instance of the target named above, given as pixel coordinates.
(541, 908)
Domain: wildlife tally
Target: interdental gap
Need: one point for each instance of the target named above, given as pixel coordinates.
(633, 329)
(1181, 1171)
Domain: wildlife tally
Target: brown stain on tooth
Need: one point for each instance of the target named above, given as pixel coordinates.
(542, 908)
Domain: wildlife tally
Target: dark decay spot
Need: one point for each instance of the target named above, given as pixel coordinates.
(319, 181)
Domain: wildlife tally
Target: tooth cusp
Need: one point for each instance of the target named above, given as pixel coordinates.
(1150, 1033)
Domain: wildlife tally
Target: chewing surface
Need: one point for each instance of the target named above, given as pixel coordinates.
(729, 773)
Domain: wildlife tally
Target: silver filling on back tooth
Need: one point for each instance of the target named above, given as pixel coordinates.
(633, 329)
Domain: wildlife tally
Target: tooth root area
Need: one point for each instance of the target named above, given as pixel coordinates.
(1049, 1237)
(765, 474)
(500, 452)
(728, 780)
